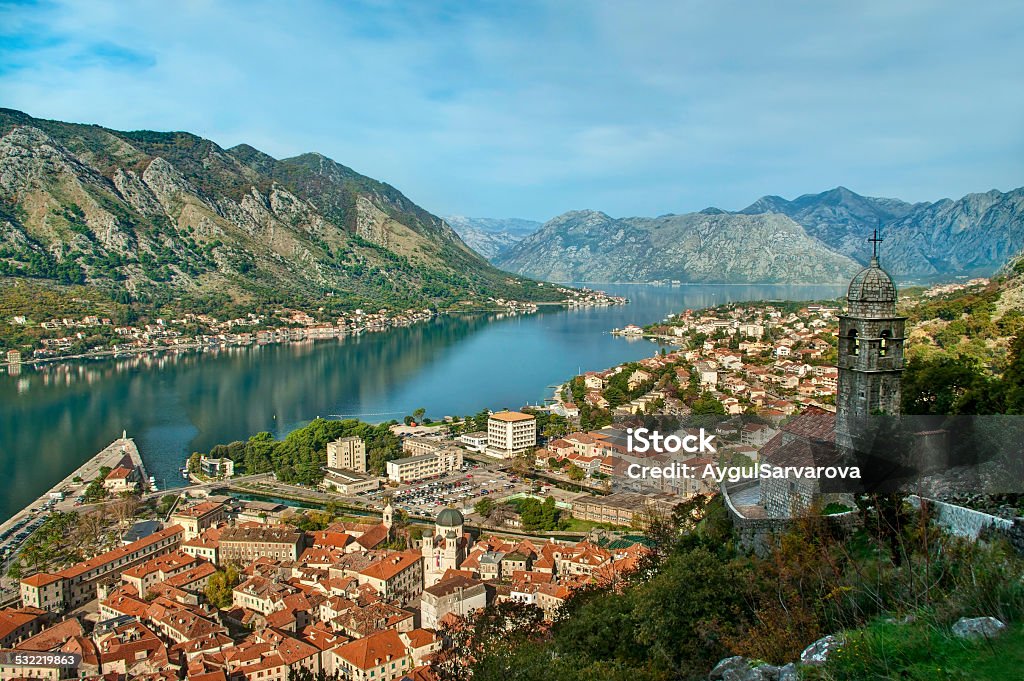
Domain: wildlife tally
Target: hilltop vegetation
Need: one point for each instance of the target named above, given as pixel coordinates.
(699, 600)
(965, 348)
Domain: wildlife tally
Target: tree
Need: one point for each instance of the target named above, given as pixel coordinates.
(556, 426)
(676, 609)
(1012, 384)
(124, 510)
(536, 515)
(707, 404)
(615, 396)
(496, 632)
(942, 386)
(166, 502)
(481, 419)
(576, 473)
(221, 585)
(522, 464)
(89, 528)
(484, 507)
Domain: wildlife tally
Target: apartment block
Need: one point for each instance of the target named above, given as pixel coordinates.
(246, 544)
(348, 453)
(76, 585)
(510, 433)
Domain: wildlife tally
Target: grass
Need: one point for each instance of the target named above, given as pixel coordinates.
(922, 651)
(577, 525)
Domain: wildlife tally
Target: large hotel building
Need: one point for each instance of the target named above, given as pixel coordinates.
(510, 433)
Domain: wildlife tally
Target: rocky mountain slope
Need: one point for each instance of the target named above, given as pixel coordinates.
(711, 246)
(152, 216)
(973, 235)
(491, 237)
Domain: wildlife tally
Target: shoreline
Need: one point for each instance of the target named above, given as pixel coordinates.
(13, 368)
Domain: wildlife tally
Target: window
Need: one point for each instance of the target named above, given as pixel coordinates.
(883, 348)
(854, 342)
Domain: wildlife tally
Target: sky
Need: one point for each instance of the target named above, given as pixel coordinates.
(529, 109)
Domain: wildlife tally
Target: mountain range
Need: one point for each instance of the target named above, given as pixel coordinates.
(491, 237)
(156, 216)
(711, 246)
(815, 238)
(972, 235)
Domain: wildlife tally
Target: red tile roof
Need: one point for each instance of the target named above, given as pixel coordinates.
(374, 650)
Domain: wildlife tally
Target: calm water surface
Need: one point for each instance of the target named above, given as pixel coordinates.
(55, 417)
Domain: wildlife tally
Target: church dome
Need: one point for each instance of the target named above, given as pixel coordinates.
(872, 285)
(449, 517)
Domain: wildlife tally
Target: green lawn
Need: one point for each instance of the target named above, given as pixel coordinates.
(925, 652)
(577, 525)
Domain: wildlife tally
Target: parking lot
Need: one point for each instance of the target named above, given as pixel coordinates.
(460, 489)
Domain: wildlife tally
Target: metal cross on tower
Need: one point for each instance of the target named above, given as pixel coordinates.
(874, 244)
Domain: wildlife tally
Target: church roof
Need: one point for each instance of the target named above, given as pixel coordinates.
(872, 285)
(449, 517)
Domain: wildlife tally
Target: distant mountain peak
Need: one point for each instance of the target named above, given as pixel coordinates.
(491, 237)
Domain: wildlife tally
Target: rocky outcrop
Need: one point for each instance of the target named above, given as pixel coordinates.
(818, 652)
(789, 672)
(978, 628)
(736, 663)
(739, 668)
(716, 247)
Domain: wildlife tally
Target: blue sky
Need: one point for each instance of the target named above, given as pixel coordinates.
(529, 109)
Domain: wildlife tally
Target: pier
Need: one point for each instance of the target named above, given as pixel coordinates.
(110, 456)
(17, 529)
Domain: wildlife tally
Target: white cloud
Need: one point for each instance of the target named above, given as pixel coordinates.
(529, 109)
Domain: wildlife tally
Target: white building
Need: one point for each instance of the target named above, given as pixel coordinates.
(510, 433)
(348, 482)
(476, 441)
(707, 373)
(443, 460)
(213, 467)
(458, 595)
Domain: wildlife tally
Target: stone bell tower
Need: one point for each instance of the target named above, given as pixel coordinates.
(870, 352)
